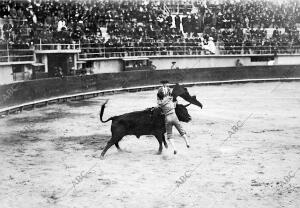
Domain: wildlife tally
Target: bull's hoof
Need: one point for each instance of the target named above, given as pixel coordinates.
(175, 152)
(126, 151)
(159, 152)
(102, 157)
(95, 155)
(188, 146)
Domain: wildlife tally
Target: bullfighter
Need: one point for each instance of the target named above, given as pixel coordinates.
(165, 102)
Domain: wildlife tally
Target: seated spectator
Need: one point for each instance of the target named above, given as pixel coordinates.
(238, 63)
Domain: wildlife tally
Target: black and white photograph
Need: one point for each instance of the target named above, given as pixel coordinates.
(149, 103)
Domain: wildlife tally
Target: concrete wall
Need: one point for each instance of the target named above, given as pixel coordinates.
(189, 62)
(288, 59)
(115, 65)
(107, 66)
(46, 88)
(199, 62)
(6, 74)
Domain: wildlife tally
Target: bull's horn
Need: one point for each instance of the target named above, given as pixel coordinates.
(187, 105)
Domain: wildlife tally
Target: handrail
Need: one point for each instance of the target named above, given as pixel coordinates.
(77, 44)
(16, 55)
(17, 50)
(14, 19)
(57, 46)
(142, 53)
(94, 52)
(172, 43)
(143, 44)
(194, 47)
(186, 49)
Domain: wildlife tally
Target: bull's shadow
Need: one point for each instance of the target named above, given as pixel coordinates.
(77, 143)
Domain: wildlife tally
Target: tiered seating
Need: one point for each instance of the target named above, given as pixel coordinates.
(121, 25)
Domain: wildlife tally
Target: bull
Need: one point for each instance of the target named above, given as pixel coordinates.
(150, 121)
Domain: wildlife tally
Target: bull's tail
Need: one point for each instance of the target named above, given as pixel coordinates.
(102, 111)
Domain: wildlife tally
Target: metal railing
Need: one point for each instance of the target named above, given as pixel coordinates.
(57, 46)
(171, 50)
(16, 55)
(106, 52)
(166, 49)
(269, 50)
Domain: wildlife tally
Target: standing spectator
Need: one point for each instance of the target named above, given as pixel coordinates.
(247, 22)
(211, 45)
(61, 24)
(7, 29)
(173, 65)
(177, 22)
(247, 46)
(169, 20)
(275, 33)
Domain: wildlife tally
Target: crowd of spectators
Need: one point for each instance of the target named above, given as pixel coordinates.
(257, 41)
(252, 13)
(147, 25)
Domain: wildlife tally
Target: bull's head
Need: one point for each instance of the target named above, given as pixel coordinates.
(182, 113)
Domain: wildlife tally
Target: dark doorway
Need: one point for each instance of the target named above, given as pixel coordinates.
(58, 61)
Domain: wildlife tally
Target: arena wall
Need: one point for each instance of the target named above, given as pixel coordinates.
(203, 61)
(107, 66)
(6, 74)
(189, 61)
(22, 92)
(288, 59)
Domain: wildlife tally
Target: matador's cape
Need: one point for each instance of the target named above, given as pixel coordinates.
(182, 92)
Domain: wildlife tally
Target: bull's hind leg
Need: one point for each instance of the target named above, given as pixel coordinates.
(164, 141)
(186, 141)
(159, 139)
(117, 146)
(108, 145)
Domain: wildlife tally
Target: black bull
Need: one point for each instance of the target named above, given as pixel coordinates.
(147, 122)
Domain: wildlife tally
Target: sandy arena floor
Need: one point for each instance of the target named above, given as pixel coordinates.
(49, 156)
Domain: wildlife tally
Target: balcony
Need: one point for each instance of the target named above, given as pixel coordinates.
(57, 48)
(16, 56)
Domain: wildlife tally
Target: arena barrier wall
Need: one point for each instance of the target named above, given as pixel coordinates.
(20, 93)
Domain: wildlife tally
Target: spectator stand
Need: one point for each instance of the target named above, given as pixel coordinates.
(118, 29)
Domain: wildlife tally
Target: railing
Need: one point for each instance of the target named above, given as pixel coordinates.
(16, 55)
(12, 20)
(106, 52)
(185, 49)
(269, 50)
(72, 46)
(179, 6)
(166, 49)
